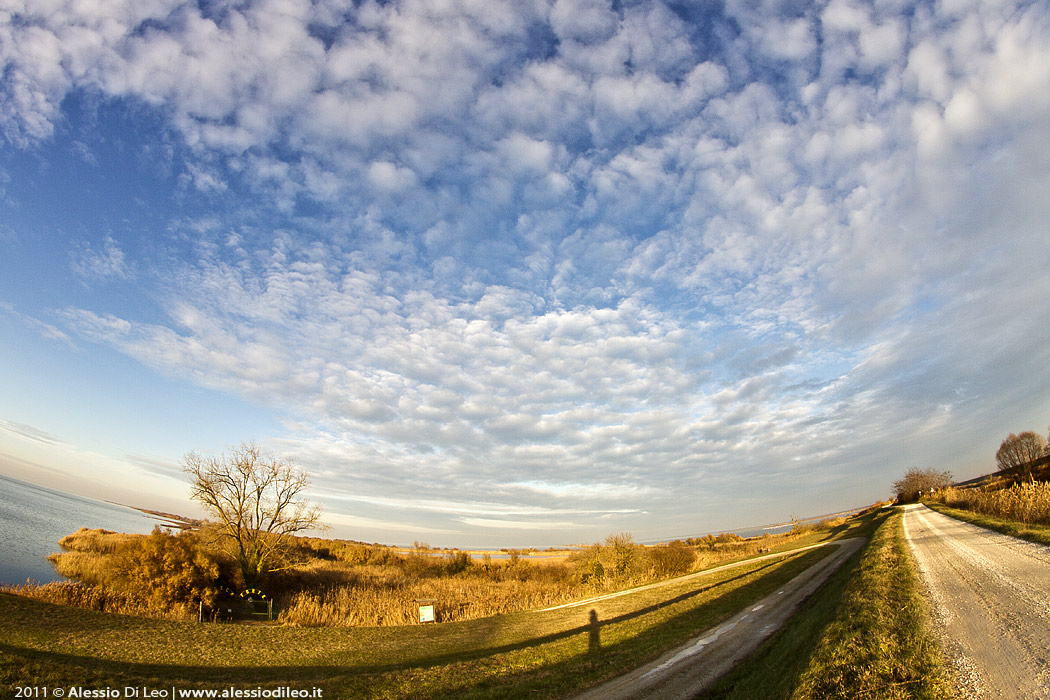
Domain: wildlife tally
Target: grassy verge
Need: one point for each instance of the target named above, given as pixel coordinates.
(1026, 531)
(532, 654)
(863, 635)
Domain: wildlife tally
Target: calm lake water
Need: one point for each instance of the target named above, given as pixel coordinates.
(34, 518)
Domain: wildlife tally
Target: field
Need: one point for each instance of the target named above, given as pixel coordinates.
(863, 634)
(517, 654)
(337, 583)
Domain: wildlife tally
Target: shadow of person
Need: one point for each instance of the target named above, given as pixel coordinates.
(593, 631)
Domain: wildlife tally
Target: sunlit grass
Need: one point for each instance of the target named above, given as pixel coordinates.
(508, 655)
(521, 654)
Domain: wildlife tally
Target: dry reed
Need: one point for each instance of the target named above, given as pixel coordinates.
(458, 598)
(1027, 503)
(97, 598)
(343, 585)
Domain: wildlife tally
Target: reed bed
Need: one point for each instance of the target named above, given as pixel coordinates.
(99, 541)
(346, 584)
(337, 596)
(1027, 503)
(100, 598)
(467, 597)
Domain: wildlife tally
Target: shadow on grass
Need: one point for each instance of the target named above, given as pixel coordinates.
(593, 662)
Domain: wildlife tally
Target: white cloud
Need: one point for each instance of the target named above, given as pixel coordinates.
(583, 20)
(31, 434)
(563, 525)
(928, 70)
(109, 262)
(357, 523)
(572, 251)
(388, 177)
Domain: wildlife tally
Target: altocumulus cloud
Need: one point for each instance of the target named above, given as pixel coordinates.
(684, 267)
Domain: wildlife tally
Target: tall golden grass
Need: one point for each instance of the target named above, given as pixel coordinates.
(100, 598)
(342, 584)
(390, 599)
(1027, 503)
(99, 541)
(89, 556)
(339, 596)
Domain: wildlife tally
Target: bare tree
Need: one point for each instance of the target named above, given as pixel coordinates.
(1019, 451)
(919, 481)
(258, 499)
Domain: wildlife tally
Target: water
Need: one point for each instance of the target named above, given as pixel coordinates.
(34, 518)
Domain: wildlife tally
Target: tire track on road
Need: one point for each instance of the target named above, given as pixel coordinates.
(687, 670)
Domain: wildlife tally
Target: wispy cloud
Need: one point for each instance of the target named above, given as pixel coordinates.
(44, 329)
(30, 433)
(564, 526)
(580, 252)
(90, 264)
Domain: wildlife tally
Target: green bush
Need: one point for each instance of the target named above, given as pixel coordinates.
(457, 563)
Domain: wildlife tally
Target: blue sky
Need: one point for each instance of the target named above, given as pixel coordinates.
(524, 273)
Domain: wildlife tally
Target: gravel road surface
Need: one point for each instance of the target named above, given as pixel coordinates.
(689, 669)
(991, 600)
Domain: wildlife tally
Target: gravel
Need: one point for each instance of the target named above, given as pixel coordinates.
(990, 595)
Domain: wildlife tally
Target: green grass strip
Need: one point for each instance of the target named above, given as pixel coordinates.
(864, 634)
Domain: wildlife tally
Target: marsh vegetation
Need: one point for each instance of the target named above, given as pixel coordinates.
(343, 583)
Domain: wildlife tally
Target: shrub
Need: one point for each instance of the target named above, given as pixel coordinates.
(170, 570)
(674, 559)
(588, 566)
(157, 574)
(456, 563)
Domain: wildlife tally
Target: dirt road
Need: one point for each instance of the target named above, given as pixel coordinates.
(687, 670)
(991, 599)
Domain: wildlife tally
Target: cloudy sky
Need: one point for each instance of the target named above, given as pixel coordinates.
(513, 273)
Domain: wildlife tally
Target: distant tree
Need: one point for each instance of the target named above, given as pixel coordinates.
(1019, 451)
(259, 502)
(919, 481)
